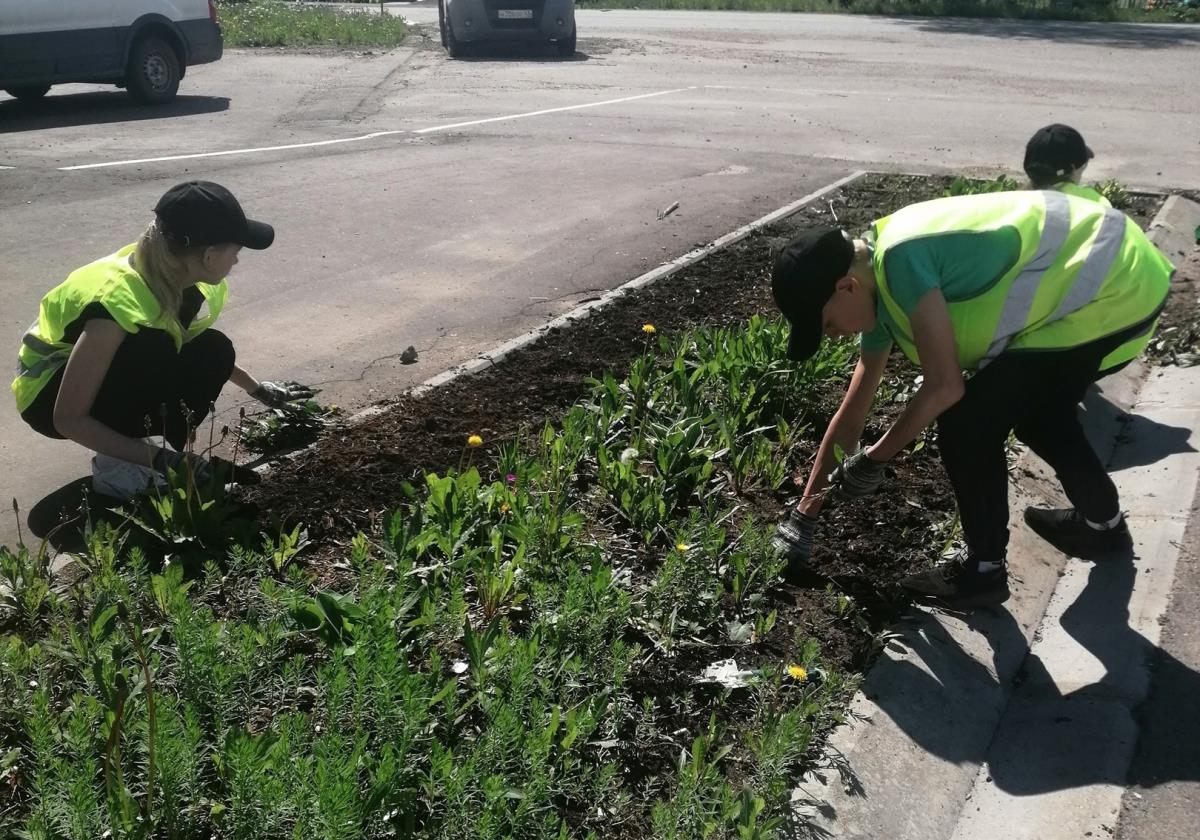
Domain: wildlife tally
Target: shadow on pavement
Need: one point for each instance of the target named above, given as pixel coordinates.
(537, 52)
(61, 518)
(1116, 35)
(927, 700)
(1154, 441)
(97, 108)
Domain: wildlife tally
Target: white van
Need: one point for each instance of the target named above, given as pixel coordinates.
(142, 45)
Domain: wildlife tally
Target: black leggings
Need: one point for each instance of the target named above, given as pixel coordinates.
(1036, 396)
(146, 375)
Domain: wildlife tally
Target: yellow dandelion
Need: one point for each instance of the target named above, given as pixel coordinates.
(648, 329)
(682, 546)
(474, 440)
(797, 672)
(504, 508)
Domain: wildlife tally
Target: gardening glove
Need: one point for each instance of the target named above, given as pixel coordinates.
(857, 476)
(794, 537)
(168, 459)
(279, 394)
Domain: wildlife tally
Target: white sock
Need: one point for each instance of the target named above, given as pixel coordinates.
(985, 566)
(1104, 526)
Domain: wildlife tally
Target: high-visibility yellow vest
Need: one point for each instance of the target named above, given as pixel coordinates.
(1085, 272)
(1080, 191)
(112, 282)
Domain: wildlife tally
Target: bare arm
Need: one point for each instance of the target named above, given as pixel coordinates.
(943, 384)
(243, 380)
(85, 371)
(846, 427)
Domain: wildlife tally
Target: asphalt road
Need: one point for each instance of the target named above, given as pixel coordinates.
(452, 205)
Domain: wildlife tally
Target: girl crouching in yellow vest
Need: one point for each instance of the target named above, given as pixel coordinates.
(124, 350)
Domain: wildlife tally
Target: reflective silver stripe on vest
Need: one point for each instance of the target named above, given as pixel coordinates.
(52, 357)
(34, 371)
(1024, 288)
(42, 348)
(1096, 265)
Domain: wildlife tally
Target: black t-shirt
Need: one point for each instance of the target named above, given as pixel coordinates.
(193, 299)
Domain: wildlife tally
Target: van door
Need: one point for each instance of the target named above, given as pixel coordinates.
(43, 41)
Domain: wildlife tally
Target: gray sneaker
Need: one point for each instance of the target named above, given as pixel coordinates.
(123, 480)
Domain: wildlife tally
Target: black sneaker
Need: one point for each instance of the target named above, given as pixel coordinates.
(959, 583)
(1068, 531)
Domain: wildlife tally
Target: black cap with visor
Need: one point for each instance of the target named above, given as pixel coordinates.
(1053, 152)
(197, 214)
(804, 278)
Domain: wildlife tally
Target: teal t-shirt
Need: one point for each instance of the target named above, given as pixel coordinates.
(962, 264)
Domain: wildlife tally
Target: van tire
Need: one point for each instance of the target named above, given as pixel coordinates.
(154, 72)
(566, 46)
(32, 93)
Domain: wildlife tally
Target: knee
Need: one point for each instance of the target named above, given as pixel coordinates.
(213, 350)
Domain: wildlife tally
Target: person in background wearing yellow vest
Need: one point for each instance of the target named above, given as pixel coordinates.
(121, 351)
(1012, 304)
(1055, 159)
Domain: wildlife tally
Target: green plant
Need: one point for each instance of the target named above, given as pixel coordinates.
(1115, 192)
(277, 429)
(976, 186)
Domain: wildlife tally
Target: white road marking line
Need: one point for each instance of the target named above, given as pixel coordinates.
(8, 167)
(551, 111)
(370, 136)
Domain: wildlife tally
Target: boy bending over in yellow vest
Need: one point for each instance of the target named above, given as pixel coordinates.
(1012, 304)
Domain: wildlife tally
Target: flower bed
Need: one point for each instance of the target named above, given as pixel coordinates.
(569, 624)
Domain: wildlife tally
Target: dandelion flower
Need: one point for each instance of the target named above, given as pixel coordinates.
(474, 440)
(648, 329)
(682, 546)
(504, 507)
(797, 672)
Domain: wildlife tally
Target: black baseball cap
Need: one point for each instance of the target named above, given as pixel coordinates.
(805, 274)
(201, 213)
(1053, 151)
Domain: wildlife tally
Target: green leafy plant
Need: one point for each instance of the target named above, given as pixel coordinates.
(1116, 193)
(976, 186)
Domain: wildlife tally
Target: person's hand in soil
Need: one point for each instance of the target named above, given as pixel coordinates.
(857, 476)
(279, 394)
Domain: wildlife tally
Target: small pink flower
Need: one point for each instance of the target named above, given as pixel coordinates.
(511, 478)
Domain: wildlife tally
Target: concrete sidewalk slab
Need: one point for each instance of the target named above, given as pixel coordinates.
(1083, 753)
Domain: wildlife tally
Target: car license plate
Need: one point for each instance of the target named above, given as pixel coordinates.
(514, 14)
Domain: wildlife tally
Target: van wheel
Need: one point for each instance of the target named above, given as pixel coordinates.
(28, 94)
(566, 46)
(153, 75)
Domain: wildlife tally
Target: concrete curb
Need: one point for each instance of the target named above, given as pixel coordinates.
(921, 726)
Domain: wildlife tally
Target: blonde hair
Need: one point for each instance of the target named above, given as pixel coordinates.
(163, 267)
